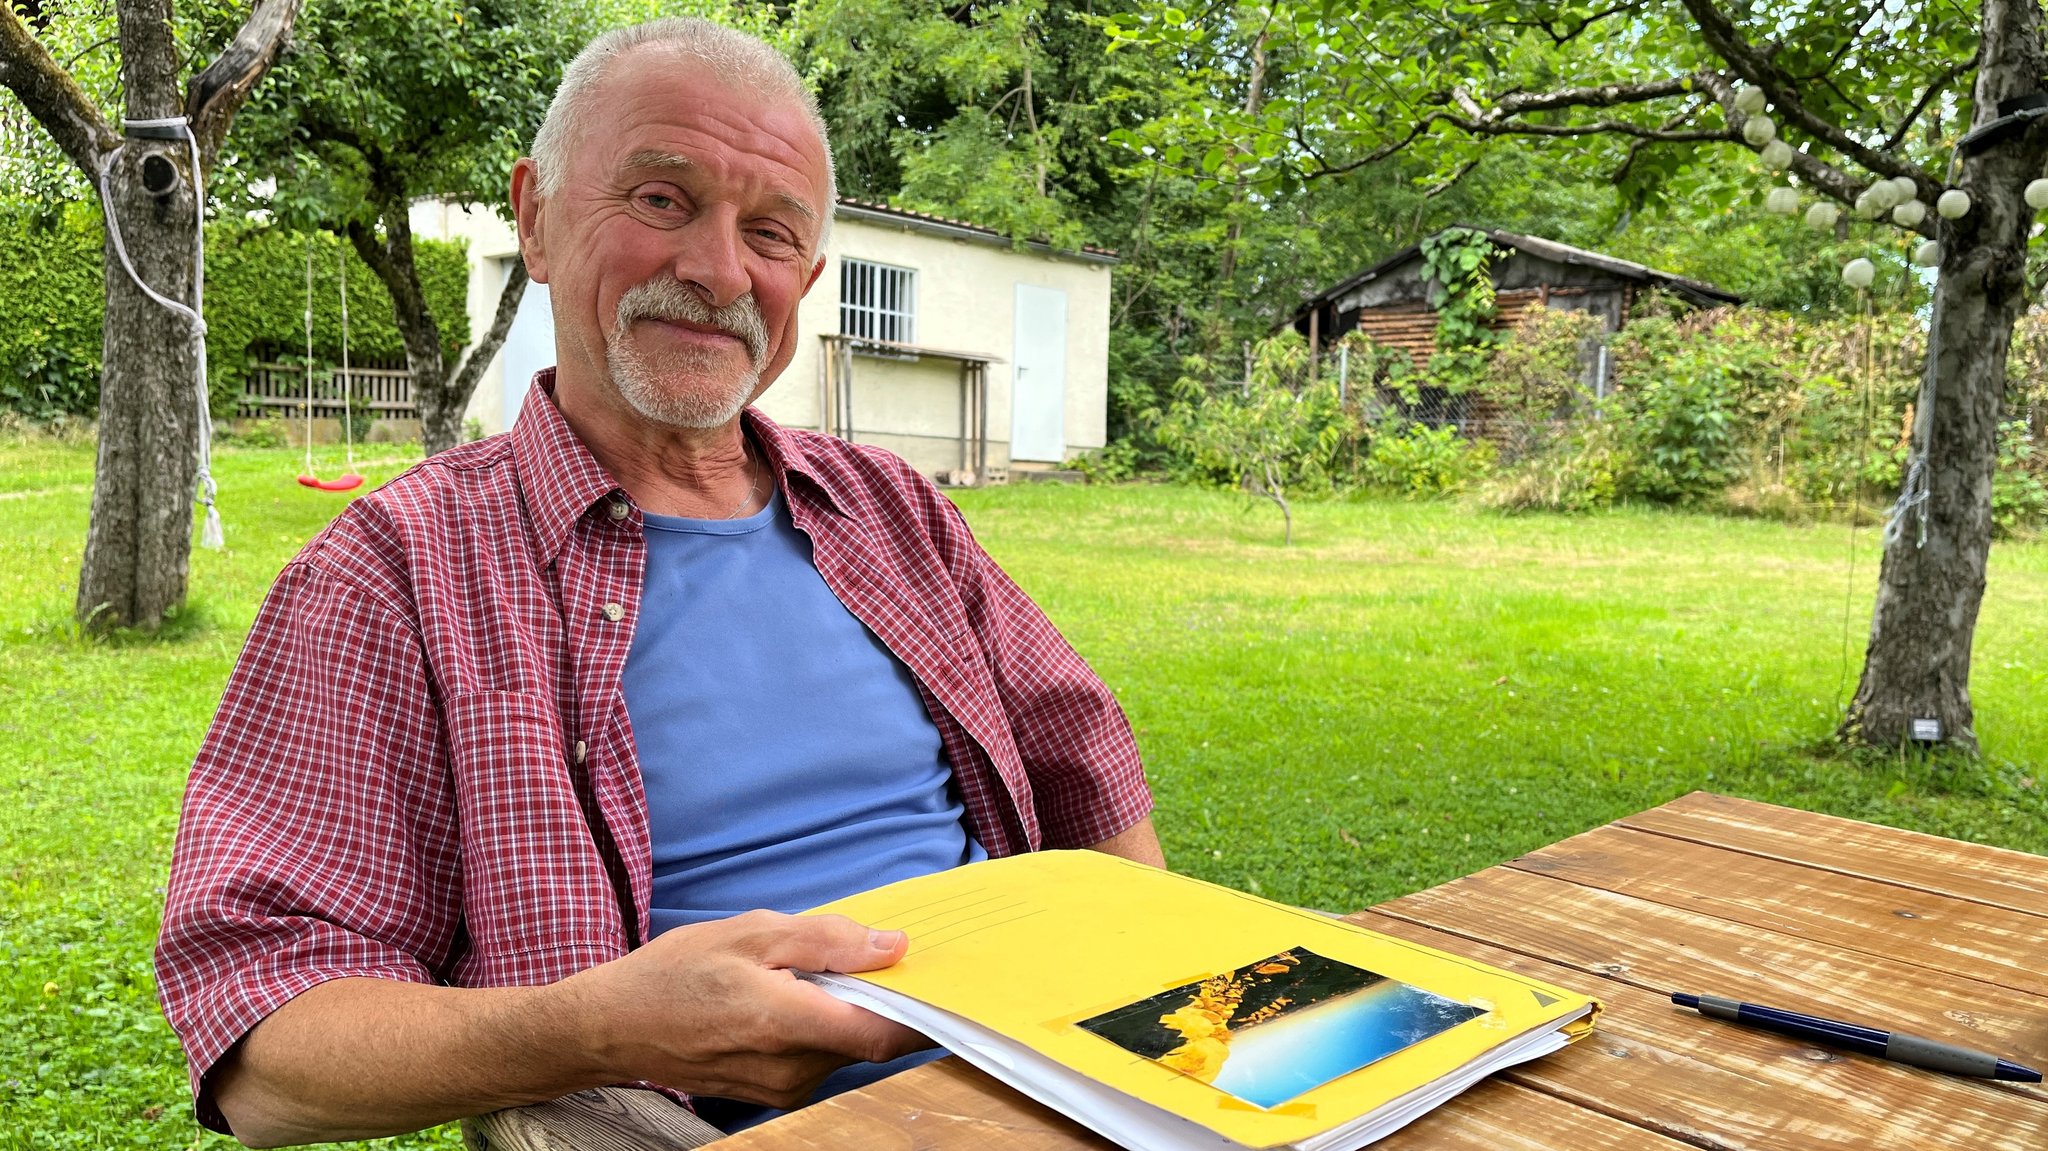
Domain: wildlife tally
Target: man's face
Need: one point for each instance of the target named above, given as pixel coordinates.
(680, 240)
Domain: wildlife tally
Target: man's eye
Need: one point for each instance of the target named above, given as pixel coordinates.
(659, 201)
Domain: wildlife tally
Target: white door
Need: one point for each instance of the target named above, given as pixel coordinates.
(529, 347)
(1038, 376)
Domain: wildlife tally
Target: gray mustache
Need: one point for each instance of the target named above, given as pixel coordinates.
(669, 299)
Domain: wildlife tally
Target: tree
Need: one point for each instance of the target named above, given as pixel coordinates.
(1652, 93)
(151, 400)
(379, 103)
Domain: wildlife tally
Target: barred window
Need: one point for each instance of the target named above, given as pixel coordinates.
(877, 302)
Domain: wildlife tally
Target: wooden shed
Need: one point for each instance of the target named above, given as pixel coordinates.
(1390, 300)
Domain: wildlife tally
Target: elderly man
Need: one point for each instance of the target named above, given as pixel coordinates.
(520, 744)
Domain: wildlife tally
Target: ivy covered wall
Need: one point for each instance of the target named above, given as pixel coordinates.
(52, 299)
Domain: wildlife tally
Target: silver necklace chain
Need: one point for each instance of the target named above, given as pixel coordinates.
(753, 484)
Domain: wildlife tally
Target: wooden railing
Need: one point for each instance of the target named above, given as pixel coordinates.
(280, 390)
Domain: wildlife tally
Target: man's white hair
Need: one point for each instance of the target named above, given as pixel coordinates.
(735, 57)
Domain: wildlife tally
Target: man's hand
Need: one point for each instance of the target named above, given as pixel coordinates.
(714, 1009)
(711, 1008)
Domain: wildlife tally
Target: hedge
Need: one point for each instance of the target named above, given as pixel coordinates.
(52, 301)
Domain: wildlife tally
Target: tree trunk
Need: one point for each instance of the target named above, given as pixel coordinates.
(1917, 666)
(390, 255)
(1226, 269)
(441, 393)
(139, 545)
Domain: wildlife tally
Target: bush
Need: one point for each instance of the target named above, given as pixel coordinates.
(1260, 432)
(1536, 378)
(268, 433)
(2019, 499)
(1588, 469)
(1417, 460)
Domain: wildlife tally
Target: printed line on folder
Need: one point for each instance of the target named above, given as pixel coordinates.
(944, 918)
(930, 944)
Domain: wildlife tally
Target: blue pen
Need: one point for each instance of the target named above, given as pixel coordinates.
(1862, 1040)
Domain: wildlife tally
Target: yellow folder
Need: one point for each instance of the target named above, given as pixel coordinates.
(1168, 1012)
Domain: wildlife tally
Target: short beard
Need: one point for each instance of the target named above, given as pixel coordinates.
(653, 388)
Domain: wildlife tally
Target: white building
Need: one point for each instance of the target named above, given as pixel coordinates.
(936, 339)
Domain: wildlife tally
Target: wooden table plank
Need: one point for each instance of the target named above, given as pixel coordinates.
(1738, 1089)
(1991, 875)
(949, 1104)
(1992, 944)
(1663, 949)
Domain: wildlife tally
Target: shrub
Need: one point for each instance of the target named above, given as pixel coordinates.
(1417, 460)
(1588, 469)
(2019, 499)
(266, 433)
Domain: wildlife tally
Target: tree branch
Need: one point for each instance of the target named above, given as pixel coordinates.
(52, 96)
(1757, 67)
(1597, 96)
(212, 96)
(479, 356)
(1934, 89)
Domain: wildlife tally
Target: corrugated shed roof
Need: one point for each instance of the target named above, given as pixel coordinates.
(858, 208)
(1696, 292)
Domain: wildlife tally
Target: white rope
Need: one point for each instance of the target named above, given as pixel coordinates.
(348, 411)
(1913, 494)
(210, 535)
(309, 354)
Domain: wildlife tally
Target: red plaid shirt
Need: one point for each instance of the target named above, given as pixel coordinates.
(422, 768)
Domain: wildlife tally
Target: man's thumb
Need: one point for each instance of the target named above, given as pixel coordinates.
(835, 943)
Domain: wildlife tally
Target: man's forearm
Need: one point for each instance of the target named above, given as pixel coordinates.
(363, 1058)
(711, 1009)
(1138, 842)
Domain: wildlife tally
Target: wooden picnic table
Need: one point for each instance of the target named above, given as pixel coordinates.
(1927, 935)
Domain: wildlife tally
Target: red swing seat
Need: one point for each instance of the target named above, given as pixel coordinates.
(343, 483)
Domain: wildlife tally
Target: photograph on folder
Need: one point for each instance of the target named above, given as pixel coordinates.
(1272, 1029)
(1176, 1015)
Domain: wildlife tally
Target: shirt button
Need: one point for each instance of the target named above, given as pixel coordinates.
(618, 510)
(581, 751)
(614, 612)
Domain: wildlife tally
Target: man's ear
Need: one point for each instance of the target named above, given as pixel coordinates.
(817, 270)
(526, 218)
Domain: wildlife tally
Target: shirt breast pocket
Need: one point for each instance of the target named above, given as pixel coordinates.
(532, 876)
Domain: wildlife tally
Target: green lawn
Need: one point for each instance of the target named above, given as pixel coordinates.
(1411, 692)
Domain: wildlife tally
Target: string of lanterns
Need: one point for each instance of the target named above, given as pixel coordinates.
(1899, 196)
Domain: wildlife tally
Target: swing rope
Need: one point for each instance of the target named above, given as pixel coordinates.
(348, 480)
(348, 407)
(209, 535)
(309, 355)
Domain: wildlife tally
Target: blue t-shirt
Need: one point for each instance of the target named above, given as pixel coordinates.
(787, 755)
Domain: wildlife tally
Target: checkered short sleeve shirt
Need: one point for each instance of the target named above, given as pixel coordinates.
(422, 767)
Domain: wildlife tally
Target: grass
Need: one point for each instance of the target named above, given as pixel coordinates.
(1410, 693)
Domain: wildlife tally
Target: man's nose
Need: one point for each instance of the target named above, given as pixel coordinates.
(711, 255)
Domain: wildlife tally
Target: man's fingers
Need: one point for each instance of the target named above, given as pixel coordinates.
(824, 943)
(855, 1032)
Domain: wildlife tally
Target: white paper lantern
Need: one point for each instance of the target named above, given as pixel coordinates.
(1859, 272)
(1928, 254)
(1954, 204)
(1821, 217)
(1909, 214)
(1908, 190)
(1782, 202)
(1777, 155)
(1870, 202)
(2037, 194)
(1749, 101)
(1759, 130)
